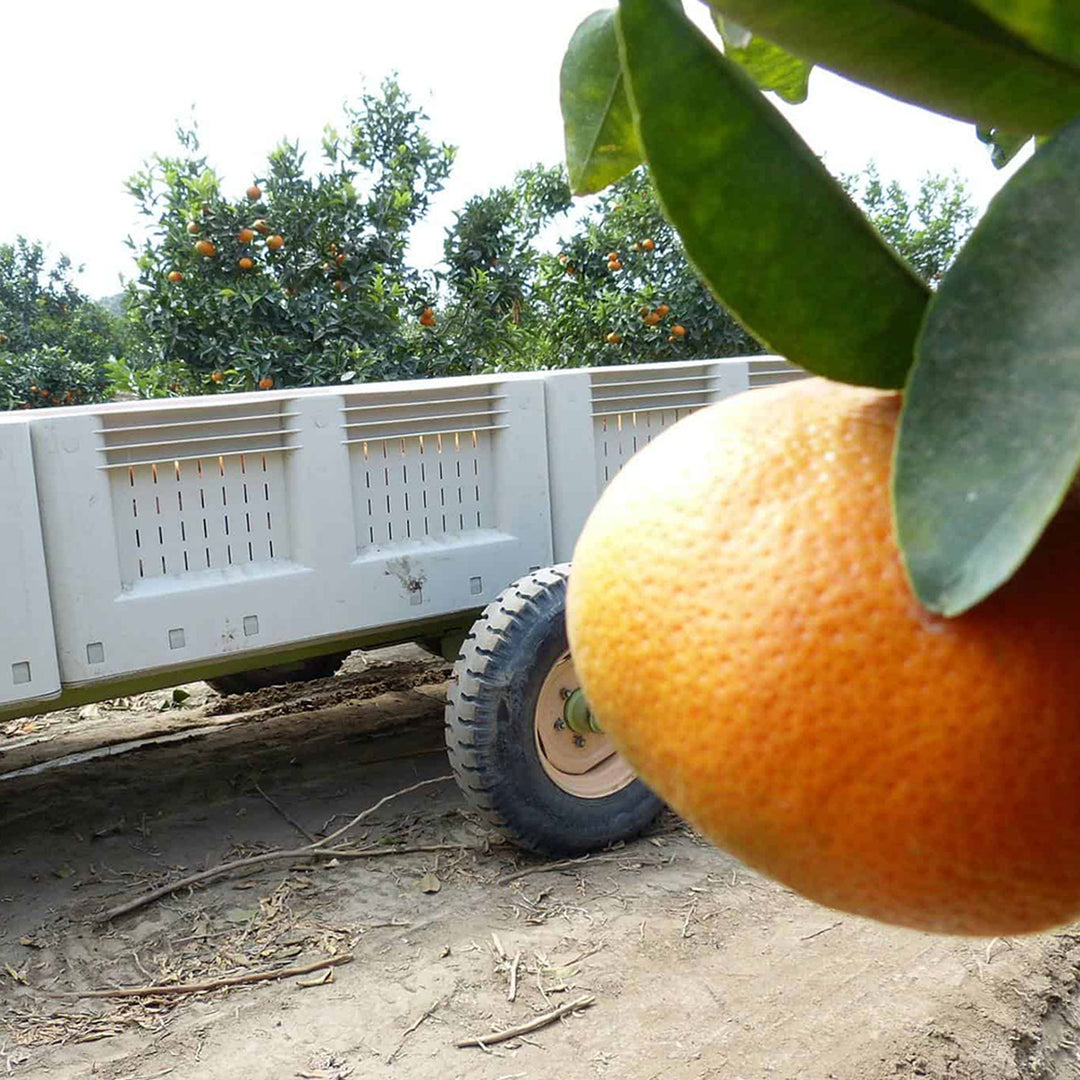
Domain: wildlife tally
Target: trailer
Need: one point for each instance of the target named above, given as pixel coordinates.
(248, 539)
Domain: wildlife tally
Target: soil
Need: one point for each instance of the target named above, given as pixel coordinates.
(697, 967)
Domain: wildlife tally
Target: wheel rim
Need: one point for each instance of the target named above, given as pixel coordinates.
(584, 765)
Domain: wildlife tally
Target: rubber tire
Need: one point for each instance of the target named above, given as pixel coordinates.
(490, 735)
(244, 682)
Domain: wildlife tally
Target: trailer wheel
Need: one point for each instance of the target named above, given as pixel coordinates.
(518, 760)
(244, 682)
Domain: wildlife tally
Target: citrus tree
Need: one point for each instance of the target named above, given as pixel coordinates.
(618, 288)
(298, 278)
(621, 290)
(54, 340)
(615, 289)
(927, 230)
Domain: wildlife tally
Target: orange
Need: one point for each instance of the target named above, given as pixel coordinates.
(340, 285)
(612, 256)
(245, 236)
(678, 331)
(254, 193)
(266, 383)
(260, 226)
(614, 264)
(193, 227)
(217, 376)
(744, 630)
(275, 242)
(245, 263)
(175, 277)
(3, 338)
(613, 338)
(652, 318)
(648, 245)
(206, 249)
(427, 317)
(663, 309)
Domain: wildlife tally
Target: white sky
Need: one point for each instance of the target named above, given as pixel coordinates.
(90, 91)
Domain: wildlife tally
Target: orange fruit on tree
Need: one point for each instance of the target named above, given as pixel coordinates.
(193, 227)
(340, 258)
(613, 338)
(266, 383)
(663, 309)
(3, 338)
(648, 245)
(427, 317)
(217, 376)
(260, 226)
(175, 277)
(254, 193)
(340, 285)
(745, 633)
(245, 235)
(612, 256)
(678, 331)
(614, 265)
(652, 318)
(275, 242)
(205, 249)
(245, 263)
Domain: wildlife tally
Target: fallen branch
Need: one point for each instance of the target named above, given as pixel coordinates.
(532, 1025)
(201, 987)
(317, 849)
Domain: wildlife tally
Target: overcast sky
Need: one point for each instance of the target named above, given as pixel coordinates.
(90, 91)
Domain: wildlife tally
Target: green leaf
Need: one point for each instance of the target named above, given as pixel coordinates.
(989, 437)
(773, 235)
(601, 143)
(1003, 147)
(1050, 25)
(946, 55)
(771, 67)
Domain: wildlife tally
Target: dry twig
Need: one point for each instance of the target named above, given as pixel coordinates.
(823, 930)
(284, 814)
(562, 864)
(410, 1029)
(512, 992)
(201, 987)
(531, 1025)
(317, 849)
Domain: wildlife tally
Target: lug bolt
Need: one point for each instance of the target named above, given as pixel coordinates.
(579, 740)
(560, 723)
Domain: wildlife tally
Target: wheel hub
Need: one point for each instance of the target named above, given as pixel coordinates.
(573, 751)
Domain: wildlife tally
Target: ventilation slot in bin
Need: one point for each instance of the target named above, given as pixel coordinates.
(629, 408)
(773, 370)
(422, 462)
(202, 490)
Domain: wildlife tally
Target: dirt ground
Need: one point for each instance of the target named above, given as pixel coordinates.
(696, 968)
